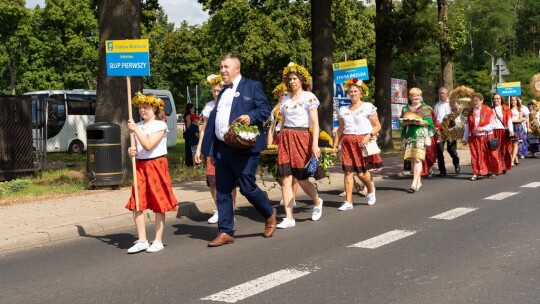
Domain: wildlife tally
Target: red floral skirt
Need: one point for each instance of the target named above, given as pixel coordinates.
(504, 151)
(294, 151)
(154, 186)
(351, 155)
(483, 160)
(431, 156)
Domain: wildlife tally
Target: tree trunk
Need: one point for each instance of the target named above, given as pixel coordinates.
(322, 44)
(446, 76)
(118, 20)
(383, 70)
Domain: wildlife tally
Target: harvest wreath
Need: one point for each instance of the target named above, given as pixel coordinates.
(268, 160)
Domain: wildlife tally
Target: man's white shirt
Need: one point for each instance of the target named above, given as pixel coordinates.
(224, 105)
(442, 109)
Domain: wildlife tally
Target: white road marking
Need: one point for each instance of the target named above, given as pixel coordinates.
(452, 214)
(531, 185)
(501, 196)
(384, 239)
(251, 288)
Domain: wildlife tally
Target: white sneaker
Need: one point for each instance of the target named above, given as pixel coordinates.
(138, 247)
(345, 206)
(317, 211)
(155, 246)
(281, 203)
(371, 199)
(286, 223)
(214, 218)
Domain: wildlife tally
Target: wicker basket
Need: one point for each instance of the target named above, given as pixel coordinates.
(237, 142)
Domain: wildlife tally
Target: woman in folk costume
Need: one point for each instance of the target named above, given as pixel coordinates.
(153, 180)
(296, 144)
(478, 131)
(504, 130)
(280, 92)
(417, 130)
(519, 141)
(358, 124)
(534, 130)
(216, 85)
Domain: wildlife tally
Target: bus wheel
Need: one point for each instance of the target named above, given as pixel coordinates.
(76, 147)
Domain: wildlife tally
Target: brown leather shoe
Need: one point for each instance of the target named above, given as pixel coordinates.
(270, 225)
(221, 239)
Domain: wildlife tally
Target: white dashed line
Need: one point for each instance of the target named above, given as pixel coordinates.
(452, 214)
(531, 185)
(384, 239)
(251, 288)
(501, 196)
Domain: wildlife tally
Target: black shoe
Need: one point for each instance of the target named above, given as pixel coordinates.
(442, 174)
(458, 169)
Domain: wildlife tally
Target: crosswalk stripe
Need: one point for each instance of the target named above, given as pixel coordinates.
(384, 239)
(501, 196)
(251, 288)
(452, 214)
(531, 185)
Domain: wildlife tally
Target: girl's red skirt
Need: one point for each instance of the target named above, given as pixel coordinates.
(294, 151)
(154, 186)
(483, 160)
(351, 155)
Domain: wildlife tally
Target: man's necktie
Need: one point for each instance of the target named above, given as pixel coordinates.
(227, 86)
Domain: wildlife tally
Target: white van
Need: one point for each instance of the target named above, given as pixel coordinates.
(69, 115)
(170, 113)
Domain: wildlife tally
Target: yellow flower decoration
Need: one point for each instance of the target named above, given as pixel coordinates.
(154, 101)
(297, 69)
(324, 137)
(280, 88)
(357, 83)
(214, 80)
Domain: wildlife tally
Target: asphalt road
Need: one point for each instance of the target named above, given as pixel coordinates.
(448, 243)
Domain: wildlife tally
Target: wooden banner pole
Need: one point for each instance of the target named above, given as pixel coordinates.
(132, 144)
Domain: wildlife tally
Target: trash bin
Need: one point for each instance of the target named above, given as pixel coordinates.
(104, 154)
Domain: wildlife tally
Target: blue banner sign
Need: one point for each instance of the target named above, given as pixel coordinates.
(509, 88)
(344, 71)
(127, 57)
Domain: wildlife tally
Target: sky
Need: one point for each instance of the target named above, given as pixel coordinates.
(176, 10)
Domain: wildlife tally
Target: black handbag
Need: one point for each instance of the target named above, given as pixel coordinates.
(492, 143)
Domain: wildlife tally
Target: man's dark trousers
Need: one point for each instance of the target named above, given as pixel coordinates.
(451, 147)
(243, 166)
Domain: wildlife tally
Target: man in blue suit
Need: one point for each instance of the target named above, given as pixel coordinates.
(240, 100)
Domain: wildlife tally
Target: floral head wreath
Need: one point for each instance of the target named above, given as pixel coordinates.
(297, 69)
(154, 101)
(280, 88)
(357, 83)
(215, 80)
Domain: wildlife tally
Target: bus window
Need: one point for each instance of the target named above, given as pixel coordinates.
(56, 117)
(80, 104)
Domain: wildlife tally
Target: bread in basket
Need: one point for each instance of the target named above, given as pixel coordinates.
(240, 136)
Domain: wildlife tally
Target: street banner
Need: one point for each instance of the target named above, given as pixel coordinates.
(398, 99)
(344, 71)
(127, 57)
(509, 88)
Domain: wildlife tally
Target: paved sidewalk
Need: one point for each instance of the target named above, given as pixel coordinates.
(33, 224)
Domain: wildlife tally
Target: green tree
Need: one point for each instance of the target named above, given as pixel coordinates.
(13, 39)
(528, 28)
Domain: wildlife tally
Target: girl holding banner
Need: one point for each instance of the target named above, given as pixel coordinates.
(154, 186)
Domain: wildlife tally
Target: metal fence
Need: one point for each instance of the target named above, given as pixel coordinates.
(16, 143)
(36, 134)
